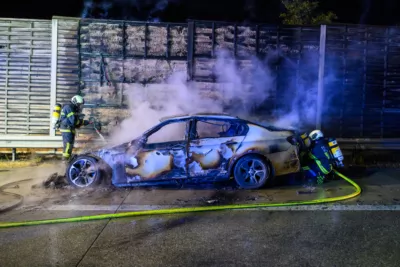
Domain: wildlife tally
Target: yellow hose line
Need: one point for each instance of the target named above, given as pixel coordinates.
(186, 210)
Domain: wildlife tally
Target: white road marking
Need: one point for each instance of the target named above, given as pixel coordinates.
(337, 208)
(122, 208)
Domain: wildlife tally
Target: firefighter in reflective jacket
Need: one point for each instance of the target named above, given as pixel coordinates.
(318, 163)
(70, 120)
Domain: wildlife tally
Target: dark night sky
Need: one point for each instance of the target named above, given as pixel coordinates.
(374, 12)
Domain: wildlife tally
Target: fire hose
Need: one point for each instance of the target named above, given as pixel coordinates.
(188, 209)
(18, 196)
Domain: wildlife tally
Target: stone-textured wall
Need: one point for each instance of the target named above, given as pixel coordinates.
(137, 55)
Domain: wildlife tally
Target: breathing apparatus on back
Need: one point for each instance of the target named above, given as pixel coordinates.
(55, 118)
(334, 149)
(336, 152)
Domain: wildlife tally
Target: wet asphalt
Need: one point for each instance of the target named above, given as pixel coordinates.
(364, 231)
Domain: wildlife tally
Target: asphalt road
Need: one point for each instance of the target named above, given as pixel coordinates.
(364, 231)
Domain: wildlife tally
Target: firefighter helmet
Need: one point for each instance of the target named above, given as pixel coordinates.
(316, 134)
(77, 100)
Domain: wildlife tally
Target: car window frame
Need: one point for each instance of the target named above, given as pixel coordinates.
(159, 126)
(231, 121)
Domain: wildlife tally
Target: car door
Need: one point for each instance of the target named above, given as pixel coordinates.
(163, 156)
(212, 144)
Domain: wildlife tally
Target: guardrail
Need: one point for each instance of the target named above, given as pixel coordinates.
(31, 142)
(37, 141)
(52, 143)
(369, 143)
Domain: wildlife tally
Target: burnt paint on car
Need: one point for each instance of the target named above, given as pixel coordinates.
(273, 145)
(212, 155)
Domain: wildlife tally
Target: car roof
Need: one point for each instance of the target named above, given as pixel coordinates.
(199, 115)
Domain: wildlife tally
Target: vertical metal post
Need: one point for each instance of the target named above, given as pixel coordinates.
(278, 38)
(7, 82)
(101, 70)
(80, 83)
(299, 39)
(321, 73)
(277, 69)
(213, 40)
(362, 126)
(53, 84)
(168, 42)
(235, 41)
(343, 82)
(124, 39)
(14, 154)
(385, 69)
(190, 49)
(257, 40)
(146, 34)
(29, 87)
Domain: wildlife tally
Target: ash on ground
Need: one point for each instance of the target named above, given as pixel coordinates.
(56, 181)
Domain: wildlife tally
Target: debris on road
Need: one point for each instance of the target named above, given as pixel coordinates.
(306, 192)
(250, 198)
(55, 181)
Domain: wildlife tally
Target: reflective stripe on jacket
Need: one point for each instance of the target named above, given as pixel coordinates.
(319, 152)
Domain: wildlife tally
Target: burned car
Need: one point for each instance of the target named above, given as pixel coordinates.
(196, 148)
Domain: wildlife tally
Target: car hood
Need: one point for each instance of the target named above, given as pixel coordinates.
(117, 149)
(132, 146)
(273, 128)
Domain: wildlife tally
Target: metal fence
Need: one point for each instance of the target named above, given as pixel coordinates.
(366, 62)
(351, 69)
(25, 57)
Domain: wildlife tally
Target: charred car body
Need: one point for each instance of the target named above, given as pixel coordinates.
(196, 148)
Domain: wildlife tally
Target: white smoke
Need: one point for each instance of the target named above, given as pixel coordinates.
(88, 6)
(302, 110)
(301, 97)
(238, 91)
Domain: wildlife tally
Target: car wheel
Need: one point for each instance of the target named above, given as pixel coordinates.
(251, 172)
(83, 171)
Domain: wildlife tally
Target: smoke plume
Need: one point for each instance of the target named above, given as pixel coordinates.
(239, 91)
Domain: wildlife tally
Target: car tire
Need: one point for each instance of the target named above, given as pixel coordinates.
(83, 172)
(252, 172)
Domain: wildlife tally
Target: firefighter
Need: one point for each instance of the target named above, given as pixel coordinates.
(318, 163)
(70, 120)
